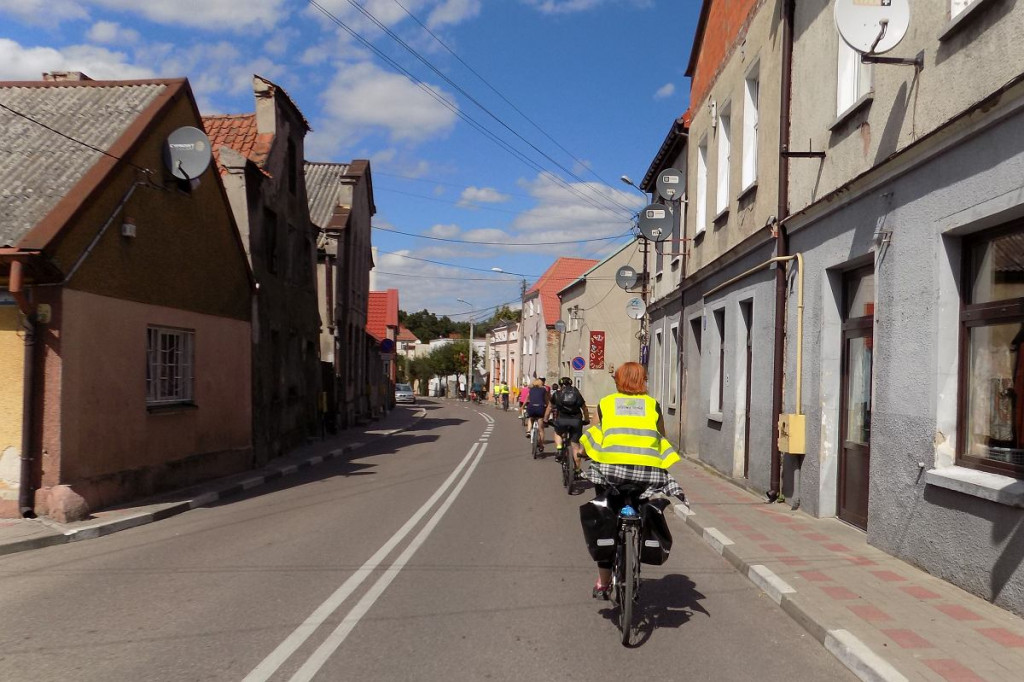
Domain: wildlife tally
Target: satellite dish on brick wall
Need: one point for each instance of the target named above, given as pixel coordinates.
(872, 26)
(187, 153)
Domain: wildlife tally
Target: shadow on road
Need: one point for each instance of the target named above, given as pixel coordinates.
(666, 602)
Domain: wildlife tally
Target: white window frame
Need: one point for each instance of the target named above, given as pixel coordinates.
(673, 365)
(751, 94)
(956, 7)
(718, 373)
(724, 160)
(853, 79)
(701, 214)
(657, 364)
(170, 366)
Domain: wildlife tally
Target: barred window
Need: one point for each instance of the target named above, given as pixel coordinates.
(170, 363)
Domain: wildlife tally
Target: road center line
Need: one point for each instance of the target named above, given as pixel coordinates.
(278, 656)
(336, 638)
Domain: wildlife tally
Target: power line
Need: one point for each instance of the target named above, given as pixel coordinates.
(446, 201)
(450, 106)
(467, 241)
(496, 92)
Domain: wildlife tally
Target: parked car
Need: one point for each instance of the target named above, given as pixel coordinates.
(404, 394)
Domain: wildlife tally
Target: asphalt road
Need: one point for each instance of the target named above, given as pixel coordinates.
(441, 553)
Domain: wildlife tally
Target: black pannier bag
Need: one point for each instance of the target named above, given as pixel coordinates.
(598, 520)
(657, 540)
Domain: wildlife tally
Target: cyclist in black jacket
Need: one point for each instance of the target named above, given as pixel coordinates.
(568, 410)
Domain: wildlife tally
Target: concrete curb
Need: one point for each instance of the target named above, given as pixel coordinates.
(850, 651)
(102, 528)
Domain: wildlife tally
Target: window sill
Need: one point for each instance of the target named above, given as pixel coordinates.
(862, 103)
(171, 408)
(716, 417)
(698, 237)
(749, 189)
(721, 215)
(993, 487)
(959, 20)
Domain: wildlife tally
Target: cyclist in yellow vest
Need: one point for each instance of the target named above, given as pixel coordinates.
(629, 446)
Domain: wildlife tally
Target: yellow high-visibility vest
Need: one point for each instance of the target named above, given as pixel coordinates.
(628, 433)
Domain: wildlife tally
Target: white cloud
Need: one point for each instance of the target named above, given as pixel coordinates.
(452, 12)
(570, 6)
(444, 231)
(666, 90)
(481, 195)
(112, 33)
(363, 99)
(29, 63)
(45, 12)
(213, 15)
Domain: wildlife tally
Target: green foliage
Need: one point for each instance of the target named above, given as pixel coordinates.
(427, 326)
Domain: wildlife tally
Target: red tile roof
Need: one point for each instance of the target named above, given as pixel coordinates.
(382, 313)
(405, 335)
(239, 132)
(561, 273)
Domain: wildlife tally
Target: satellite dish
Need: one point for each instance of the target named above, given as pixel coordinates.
(626, 277)
(656, 222)
(560, 327)
(635, 308)
(187, 153)
(670, 184)
(872, 26)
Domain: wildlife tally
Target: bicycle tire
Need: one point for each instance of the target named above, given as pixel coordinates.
(629, 583)
(534, 441)
(566, 470)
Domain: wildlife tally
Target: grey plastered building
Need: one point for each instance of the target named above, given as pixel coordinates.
(727, 295)
(913, 247)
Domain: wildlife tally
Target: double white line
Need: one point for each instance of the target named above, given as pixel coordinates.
(285, 649)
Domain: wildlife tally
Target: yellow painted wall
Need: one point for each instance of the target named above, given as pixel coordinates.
(12, 362)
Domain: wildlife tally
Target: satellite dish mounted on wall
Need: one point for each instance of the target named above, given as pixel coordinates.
(187, 153)
(670, 184)
(635, 308)
(656, 222)
(627, 277)
(872, 26)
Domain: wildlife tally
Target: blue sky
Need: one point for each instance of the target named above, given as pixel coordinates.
(576, 93)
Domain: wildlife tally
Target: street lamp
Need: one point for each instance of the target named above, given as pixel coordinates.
(625, 179)
(469, 371)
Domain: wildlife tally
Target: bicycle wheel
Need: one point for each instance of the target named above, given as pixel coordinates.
(566, 468)
(535, 441)
(630, 578)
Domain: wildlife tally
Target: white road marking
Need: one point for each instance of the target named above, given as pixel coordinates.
(278, 656)
(312, 666)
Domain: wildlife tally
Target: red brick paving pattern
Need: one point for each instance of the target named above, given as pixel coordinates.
(952, 671)
(870, 613)
(908, 639)
(839, 592)
(888, 576)
(816, 576)
(919, 592)
(1003, 636)
(958, 612)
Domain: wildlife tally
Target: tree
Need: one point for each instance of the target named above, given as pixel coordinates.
(427, 326)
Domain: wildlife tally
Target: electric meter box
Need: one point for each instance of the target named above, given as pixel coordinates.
(792, 434)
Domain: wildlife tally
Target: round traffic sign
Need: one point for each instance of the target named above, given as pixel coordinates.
(578, 363)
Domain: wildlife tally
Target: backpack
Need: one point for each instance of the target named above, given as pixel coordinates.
(570, 400)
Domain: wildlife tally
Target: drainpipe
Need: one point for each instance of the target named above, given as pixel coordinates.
(26, 491)
(782, 246)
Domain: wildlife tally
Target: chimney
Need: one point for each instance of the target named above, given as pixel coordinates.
(55, 76)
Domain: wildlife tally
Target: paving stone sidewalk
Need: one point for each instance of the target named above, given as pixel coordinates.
(882, 617)
(17, 535)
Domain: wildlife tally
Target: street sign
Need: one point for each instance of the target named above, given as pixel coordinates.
(560, 327)
(387, 346)
(578, 363)
(643, 354)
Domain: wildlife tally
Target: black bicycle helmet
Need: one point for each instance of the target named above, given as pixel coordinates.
(565, 381)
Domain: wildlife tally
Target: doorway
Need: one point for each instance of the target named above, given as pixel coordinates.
(855, 407)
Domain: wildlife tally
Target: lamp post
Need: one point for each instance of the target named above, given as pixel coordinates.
(469, 370)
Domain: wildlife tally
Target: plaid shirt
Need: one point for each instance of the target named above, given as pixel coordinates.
(657, 480)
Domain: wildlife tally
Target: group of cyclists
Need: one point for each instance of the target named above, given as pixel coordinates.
(627, 446)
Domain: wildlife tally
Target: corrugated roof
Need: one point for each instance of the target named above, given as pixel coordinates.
(38, 167)
(381, 313)
(561, 273)
(325, 190)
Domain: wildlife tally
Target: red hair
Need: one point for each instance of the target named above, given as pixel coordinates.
(631, 378)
